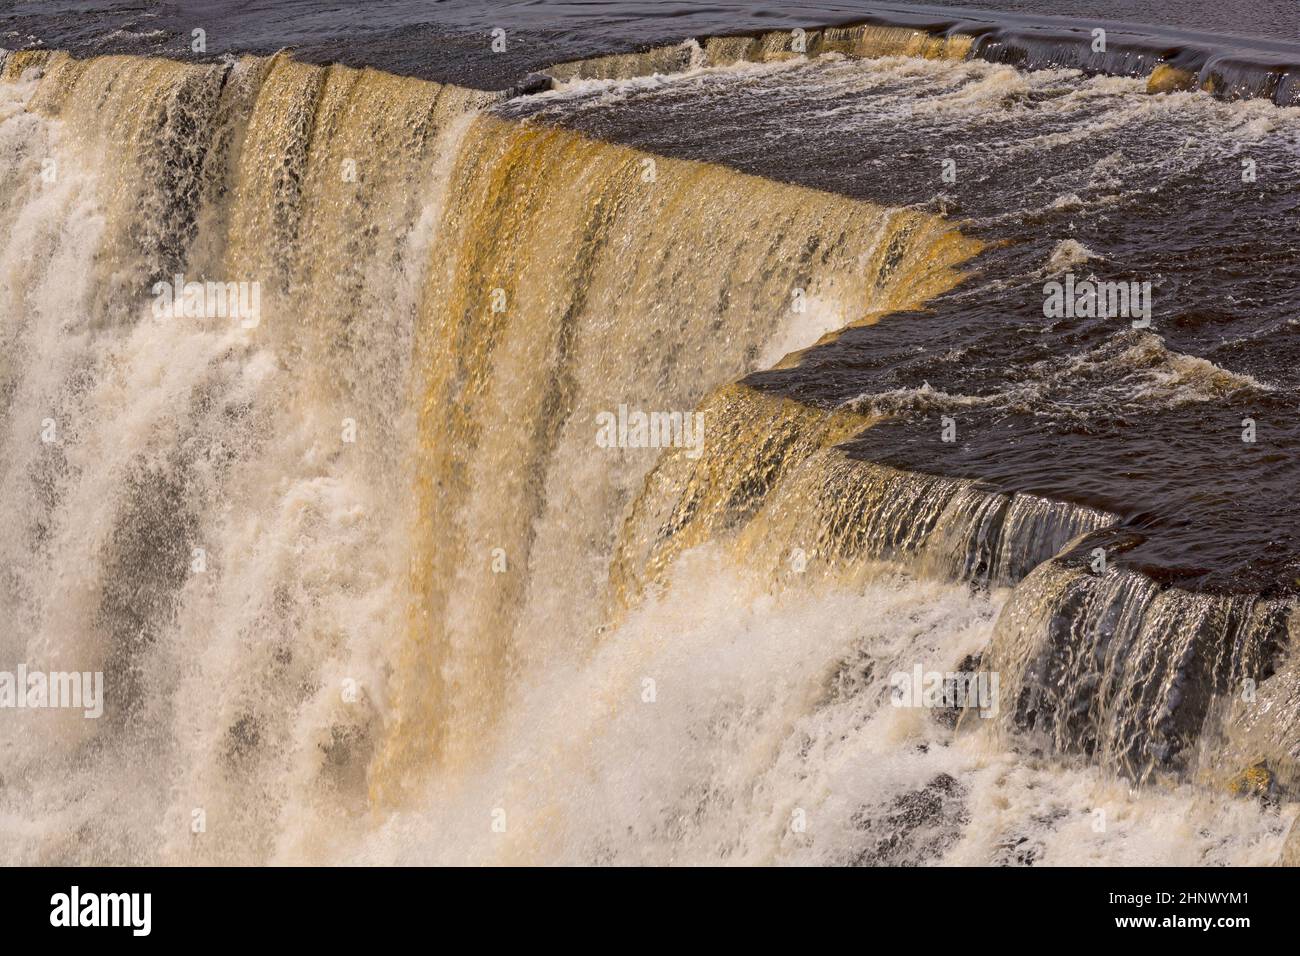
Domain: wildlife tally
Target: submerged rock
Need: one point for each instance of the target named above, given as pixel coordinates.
(1169, 79)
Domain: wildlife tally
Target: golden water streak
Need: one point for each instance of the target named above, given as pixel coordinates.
(562, 277)
(862, 41)
(623, 279)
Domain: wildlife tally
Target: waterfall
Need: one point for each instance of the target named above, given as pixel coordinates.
(244, 517)
(1133, 675)
(793, 503)
(1173, 62)
(304, 378)
(861, 40)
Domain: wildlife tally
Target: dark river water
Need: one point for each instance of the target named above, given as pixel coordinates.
(449, 39)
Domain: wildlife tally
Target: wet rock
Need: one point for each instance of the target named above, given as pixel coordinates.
(1017, 852)
(915, 827)
(532, 83)
(1169, 79)
(1255, 781)
(954, 697)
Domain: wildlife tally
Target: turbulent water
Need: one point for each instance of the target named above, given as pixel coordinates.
(385, 570)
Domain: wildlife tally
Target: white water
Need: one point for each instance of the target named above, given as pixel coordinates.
(764, 741)
(754, 718)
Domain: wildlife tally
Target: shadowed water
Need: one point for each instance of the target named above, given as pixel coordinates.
(451, 41)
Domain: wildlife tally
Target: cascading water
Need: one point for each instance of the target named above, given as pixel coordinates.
(365, 582)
